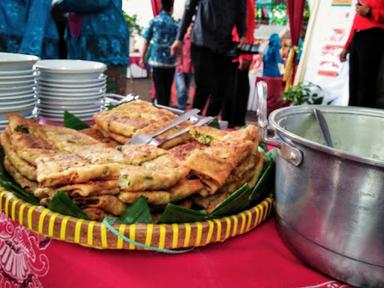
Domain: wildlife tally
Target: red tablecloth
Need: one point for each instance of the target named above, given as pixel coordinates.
(256, 259)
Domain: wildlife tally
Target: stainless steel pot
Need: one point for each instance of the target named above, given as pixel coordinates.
(330, 201)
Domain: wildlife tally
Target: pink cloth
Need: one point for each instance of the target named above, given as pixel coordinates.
(256, 259)
(75, 24)
(184, 62)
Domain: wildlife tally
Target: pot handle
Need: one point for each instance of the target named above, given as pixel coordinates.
(286, 150)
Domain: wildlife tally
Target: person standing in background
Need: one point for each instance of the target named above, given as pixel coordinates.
(235, 107)
(184, 73)
(26, 26)
(211, 40)
(272, 58)
(159, 36)
(97, 31)
(365, 46)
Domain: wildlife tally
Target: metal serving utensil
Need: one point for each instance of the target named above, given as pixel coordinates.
(146, 138)
(120, 99)
(323, 127)
(201, 122)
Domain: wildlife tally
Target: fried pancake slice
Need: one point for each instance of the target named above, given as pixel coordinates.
(153, 197)
(64, 169)
(22, 166)
(185, 188)
(97, 134)
(108, 203)
(139, 154)
(207, 135)
(24, 182)
(159, 174)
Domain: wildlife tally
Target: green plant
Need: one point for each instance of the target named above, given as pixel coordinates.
(303, 94)
(133, 26)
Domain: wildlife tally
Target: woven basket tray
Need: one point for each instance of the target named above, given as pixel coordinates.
(164, 236)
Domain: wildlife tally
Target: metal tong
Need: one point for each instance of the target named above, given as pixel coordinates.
(147, 138)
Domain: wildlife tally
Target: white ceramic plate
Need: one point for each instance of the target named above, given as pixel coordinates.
(45, 84)
(14, 108)
(60, 119)
(49, 90)
(16, 95)
(16, 84)
(17, 78)
(16, 62)
(74, 100)
(70, 69)
(93, 106)
(5, 104)
(17, 89)
(73, 95)
(60, 115)
(74, 81)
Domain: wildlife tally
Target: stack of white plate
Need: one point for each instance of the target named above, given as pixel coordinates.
(75, 86)
(17, 85)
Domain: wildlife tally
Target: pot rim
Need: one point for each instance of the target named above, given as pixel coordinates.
(278, 114)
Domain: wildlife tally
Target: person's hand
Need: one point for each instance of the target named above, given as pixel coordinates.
(343, 55)
(176, 48)
(242, 41)
(56, 12)
(244, 64)
(363, 9)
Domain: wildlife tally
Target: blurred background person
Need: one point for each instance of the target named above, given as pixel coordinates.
(159, 36)
(211, 40)
(235, 107)
(272, 58)
(97, 31)
(184, 75)
(366, 48)
(26, 26)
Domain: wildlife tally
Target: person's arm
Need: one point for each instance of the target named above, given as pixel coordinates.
(147, 35)
(189, 11)
(278, 57)
(82, 6)
(33, 35)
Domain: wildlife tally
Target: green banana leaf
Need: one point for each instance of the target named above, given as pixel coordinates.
(138, 212)
(177, 214)
(61, 203)
(73, 122)
(215, 123)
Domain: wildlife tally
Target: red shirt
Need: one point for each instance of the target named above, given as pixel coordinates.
(250, 23)
(376, 20)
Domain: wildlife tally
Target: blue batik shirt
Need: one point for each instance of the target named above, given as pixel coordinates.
(26, 26)
(161, 33)
(104, 36)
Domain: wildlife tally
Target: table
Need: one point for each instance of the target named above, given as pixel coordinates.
(256, 259)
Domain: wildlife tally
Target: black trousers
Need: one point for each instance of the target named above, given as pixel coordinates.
(162, 79)
(212, 75)
(235, 107)
(366, 53)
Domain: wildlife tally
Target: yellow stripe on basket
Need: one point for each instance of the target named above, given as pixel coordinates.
(13, 210)
(235, 223)
(30, 211)
(199, 233)
(228, 229)
(52, 224)
(78, 230)
(218, 234)
(104, 240)
(41, 220)
(63, 227)
(1, 200)
(21, 213)
(91, 224)
(148, 239)
(242, 215)
(175, 235)
(262, 214)
(187, 237)
(210, 232)
(249, 214)
(120, 243)
(257, 215)
(6, 205)
(162, 236)
(132, 235)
